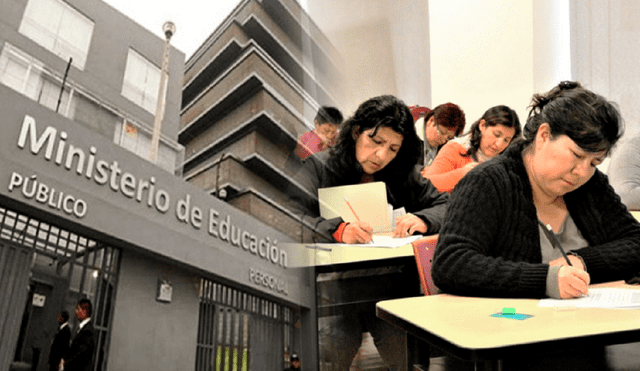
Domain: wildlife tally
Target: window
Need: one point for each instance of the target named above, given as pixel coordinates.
(28, 76)
(138, 140)
(58, 27)
(141, 81)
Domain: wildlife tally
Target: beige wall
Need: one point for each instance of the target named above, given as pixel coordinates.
(481, 54)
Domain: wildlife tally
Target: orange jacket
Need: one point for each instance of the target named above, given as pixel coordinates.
(447, 168)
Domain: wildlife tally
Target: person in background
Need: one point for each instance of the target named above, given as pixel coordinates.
(439, 126)
(493, 240)
(488, 137)
(326, 124)
(624, 172)
(295, 363)
(378, 143)
(80, 355)
(60, 343)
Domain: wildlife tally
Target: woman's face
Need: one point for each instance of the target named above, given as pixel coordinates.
(374, 153)
(559, 165)
(494, 139)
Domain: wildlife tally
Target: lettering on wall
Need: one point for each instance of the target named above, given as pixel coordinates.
(269, 281)
(55, 147)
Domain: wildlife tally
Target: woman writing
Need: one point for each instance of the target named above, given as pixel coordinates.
(379, 143)
(493, 240)
(489, 136)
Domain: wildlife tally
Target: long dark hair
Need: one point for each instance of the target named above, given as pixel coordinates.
(591, 121)
(498, 115)
(385, 111)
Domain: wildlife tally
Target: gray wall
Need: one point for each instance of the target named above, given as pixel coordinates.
(147, 334)
(113, 35)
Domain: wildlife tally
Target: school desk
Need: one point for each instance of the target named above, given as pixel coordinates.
(464, 326)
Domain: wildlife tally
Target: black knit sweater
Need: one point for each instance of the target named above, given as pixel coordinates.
(416, 194)
(489, 244)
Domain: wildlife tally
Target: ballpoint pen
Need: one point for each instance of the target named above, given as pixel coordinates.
(557, 243)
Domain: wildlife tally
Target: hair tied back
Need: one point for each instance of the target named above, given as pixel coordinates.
(568, 85)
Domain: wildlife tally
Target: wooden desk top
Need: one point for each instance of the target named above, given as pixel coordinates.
(466, 322)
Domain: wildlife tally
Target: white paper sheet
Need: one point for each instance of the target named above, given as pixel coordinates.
(598, 298)
(378, 240)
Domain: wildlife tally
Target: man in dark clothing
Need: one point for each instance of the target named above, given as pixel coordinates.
(295, 363)
(60, 344)
(80, 356)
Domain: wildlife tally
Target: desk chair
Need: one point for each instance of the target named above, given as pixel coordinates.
(423, 250)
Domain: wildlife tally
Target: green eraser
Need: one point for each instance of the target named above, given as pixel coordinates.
(508, 310)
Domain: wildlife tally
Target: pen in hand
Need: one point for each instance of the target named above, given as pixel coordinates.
(555, 239)
(351, 208)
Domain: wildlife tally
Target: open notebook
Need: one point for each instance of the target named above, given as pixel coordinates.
(368, 201)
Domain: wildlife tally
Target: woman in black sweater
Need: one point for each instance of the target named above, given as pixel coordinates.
(379, 143)
(493, 241)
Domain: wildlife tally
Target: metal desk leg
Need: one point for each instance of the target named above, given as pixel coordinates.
(417, 353)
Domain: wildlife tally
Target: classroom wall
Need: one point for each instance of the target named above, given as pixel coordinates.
(605, 48)
(482, 54)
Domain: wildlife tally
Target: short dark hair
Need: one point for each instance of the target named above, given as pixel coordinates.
(591, 121)
(330, 115)
(448, 115)
(64, 315)
(85, 304)
(375, 113)
(498, 115)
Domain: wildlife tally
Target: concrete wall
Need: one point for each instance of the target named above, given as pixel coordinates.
(103, 74)
(147, 334)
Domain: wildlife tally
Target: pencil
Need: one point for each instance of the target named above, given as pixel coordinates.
(353, 211)
(553, 235)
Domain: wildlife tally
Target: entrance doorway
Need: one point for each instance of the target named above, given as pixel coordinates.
(43, 271)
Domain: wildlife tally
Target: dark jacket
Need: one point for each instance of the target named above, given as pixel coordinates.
(416, 194)
(80, 355)
(489, 244)
(59, 347)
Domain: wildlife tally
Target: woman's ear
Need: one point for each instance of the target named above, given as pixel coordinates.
(543, 135)
(544, 132)
(355, 133)
(482, 125)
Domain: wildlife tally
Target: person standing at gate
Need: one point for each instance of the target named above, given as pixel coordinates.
(80, 355)
(60, 343)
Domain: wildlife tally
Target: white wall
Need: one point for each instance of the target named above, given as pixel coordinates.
(482, 54)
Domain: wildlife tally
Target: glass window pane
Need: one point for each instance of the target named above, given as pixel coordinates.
(141, 81)
(59, 28)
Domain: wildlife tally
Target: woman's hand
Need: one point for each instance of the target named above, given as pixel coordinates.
(424, 171)
(357, 232)
(572, 282)
(575, 261)
(407, 224)
(466, 168)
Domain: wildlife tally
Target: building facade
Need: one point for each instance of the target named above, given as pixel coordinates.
(251, 89)
(178, 279)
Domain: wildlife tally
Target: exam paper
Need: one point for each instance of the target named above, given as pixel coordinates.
(381, 240)
(598, 298)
